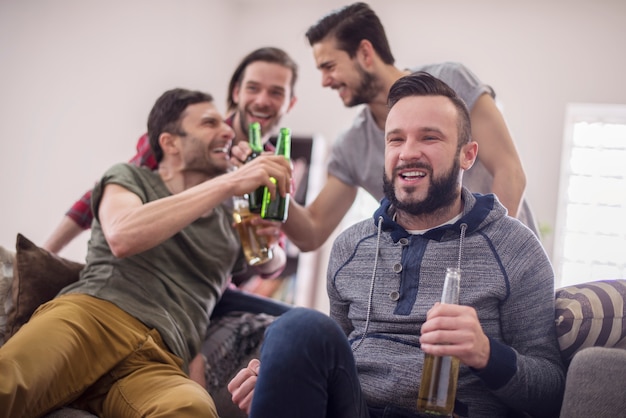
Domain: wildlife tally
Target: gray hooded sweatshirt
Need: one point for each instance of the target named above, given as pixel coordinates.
(382, 282)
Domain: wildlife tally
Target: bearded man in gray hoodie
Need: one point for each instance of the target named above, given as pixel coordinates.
(385, 277)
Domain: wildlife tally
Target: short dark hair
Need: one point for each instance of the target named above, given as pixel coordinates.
(349, 25)
(423, 84)
(265, 54)
(166, 115)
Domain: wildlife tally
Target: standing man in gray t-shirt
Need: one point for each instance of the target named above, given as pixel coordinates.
(352, 52)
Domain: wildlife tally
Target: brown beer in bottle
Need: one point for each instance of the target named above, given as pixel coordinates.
(255, 246)
(440, 373)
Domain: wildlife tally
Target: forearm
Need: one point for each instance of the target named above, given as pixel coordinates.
(308, 228)
(509, 186)
(301, 230)
(496, 151)
(132, 227)
(538, 381)
(64, 233)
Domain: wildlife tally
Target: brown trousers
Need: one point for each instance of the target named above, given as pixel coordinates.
(82, 351)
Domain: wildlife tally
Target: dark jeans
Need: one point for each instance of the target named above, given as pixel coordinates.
(307, 370)
(236, 300)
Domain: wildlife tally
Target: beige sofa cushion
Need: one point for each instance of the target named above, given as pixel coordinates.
(590, 315)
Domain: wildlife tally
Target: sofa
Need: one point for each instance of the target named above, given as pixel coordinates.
(589, 321)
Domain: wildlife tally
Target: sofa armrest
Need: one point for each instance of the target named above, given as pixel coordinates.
(594, 387)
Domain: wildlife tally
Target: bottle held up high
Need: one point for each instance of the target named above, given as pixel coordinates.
(440, 373)
(255, 198)
(276, 207)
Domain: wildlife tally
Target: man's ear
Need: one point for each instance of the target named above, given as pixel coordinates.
(292, 102)
(469, 152)
(365, 53)
(234, 95)
(168, 143)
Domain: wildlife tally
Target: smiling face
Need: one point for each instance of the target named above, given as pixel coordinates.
(354, 83)
(422, 158)
(204, 140)
(264, 95)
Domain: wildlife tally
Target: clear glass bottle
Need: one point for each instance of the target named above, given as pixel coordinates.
(440, 374)
(255, 198)
(276, 207)
(255, 246)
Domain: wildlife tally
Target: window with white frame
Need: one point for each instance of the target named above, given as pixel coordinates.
(590, 241)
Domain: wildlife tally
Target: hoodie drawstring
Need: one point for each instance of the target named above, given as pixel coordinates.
(463, 229)
(371, 293)
(371, 296)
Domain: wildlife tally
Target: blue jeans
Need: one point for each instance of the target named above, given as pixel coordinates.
(307, 370)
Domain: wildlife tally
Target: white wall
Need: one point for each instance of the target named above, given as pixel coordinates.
(78, 79)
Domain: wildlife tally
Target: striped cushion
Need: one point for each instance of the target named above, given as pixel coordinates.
(590, 314)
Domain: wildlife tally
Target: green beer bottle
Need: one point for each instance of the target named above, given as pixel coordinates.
(275, 208)
(255, 199)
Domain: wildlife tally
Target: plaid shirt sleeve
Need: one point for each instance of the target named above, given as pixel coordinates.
(80, 212)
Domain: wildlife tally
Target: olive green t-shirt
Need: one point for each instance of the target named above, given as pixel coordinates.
(172, 287)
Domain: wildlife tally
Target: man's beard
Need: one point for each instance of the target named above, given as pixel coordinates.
(442, 191)
(201, 162)
(367, 90)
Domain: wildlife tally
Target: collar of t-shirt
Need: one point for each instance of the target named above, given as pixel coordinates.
(423, 231)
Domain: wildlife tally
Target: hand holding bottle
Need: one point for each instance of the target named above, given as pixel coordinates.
(440, 372)
(239, 153)
(271, 171)
(276, 207)
(256, 247)
(454, 330)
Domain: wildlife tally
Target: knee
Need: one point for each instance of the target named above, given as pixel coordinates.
(304, 326)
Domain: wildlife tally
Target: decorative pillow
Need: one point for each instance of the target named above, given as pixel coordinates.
(6, 278)
(37, 278)
(590, 314)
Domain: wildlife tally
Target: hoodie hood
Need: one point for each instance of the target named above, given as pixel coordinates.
(478, 211)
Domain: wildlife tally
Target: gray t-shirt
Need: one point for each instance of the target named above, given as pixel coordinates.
(172, 287)
(357, 157)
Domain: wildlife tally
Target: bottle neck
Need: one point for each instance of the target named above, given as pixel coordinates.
(451, 286)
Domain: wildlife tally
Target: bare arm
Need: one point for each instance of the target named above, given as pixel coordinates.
(497, 152)
(131, 227)
(308, 228)
(64, 233)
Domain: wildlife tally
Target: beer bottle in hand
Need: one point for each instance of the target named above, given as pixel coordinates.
(275, 207)
(255, 199)
(440, 373)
